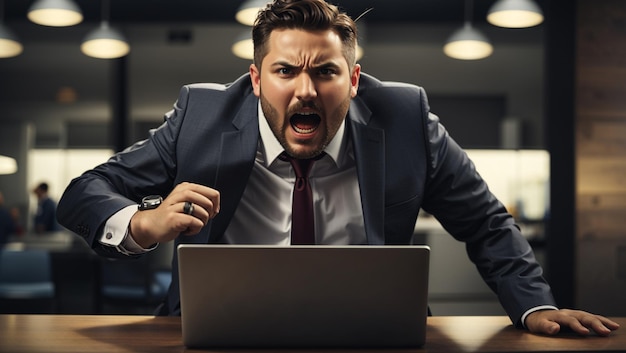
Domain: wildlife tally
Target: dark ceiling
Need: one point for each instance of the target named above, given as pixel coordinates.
(215, 11)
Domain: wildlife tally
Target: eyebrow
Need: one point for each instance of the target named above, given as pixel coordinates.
(320, 66)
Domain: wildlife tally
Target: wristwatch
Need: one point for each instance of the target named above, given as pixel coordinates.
(150, 202)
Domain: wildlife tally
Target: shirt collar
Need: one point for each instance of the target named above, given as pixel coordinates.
(273, 148)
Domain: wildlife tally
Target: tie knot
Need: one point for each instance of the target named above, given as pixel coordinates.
(301, 167)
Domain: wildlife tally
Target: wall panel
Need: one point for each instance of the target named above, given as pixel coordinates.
(601, 156)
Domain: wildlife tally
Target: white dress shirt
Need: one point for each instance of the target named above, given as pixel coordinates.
(264, 213)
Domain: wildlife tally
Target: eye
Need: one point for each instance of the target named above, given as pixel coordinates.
(327, 71)
(285, 71)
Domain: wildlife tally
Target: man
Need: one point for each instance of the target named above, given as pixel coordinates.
(44, 220)
(218, 162)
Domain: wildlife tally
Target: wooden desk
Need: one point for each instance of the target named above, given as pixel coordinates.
(92, 333)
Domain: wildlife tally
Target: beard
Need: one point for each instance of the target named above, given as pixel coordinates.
(279, 127)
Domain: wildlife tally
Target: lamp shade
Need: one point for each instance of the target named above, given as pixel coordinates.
(9, 44)
(243, 46)
(105, 43)
(56, 13)
(8, 165)
(248, 11)
(468, 43)
(515, 14)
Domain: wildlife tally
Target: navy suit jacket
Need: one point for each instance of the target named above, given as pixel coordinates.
(405, 161)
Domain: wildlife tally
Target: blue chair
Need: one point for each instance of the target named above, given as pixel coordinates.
(135, 286)
(26, 284)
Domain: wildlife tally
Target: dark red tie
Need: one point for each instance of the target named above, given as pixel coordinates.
(302, 218)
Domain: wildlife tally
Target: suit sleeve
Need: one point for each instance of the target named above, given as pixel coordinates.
(145, 168)
(462, 202)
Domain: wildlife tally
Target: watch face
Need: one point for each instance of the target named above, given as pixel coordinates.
(150, 202)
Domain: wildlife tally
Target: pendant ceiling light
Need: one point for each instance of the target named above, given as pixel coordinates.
(247, 12)
(10, 46)
(243, 46)
(8, 165)
(468, 43)
(515, 14)
(105, 42)
(56, 13)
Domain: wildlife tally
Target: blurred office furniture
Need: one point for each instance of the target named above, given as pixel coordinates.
(72, 266)
(135, 286)
(26, 284)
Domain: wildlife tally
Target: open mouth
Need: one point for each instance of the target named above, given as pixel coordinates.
(305, 123)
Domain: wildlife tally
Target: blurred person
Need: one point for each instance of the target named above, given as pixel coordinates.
(45, 216)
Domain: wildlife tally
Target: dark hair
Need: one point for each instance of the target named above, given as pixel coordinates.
(310, 15)
(43, 187)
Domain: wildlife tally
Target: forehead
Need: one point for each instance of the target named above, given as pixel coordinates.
(299, 46)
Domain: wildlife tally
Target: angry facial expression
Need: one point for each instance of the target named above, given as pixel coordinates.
(305, 85)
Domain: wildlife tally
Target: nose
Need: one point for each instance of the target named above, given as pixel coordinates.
(305, 87)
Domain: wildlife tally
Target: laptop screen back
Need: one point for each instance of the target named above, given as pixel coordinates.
(303, 296)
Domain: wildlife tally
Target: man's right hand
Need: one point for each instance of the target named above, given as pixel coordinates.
(167, 221)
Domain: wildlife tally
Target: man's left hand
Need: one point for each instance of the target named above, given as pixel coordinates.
(550, 322)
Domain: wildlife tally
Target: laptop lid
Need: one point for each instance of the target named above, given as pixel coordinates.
(303, 296)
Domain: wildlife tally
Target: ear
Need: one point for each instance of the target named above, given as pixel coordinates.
(255, 76)
(354, 80)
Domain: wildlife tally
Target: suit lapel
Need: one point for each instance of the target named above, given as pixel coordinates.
(238, 151)
(369, 150)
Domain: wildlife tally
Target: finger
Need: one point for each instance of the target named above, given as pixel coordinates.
(601, 325)
(575, 325)
(188, 208)
(600, 328)
(546, 327)
(194, 227)
(200, 195)
(609, 323)
(212, 196)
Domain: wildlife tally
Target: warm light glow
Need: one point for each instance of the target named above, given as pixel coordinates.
(105, 48)
(468, 50)
(243, 48)
(247, 16)
(10, 48)
(105, 43)
(515, 18)
(8, 165)
(55, 17)
(468, 43)
(56, 13)
(515, 14)
(249, 10)
(66, 95)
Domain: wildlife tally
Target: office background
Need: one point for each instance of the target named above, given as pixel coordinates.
(554, 87)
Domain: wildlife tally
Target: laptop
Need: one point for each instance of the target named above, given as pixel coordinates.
(235, 296)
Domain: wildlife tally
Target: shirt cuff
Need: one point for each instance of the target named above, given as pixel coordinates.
(115, 233)
(537, 308)
(116, 227)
